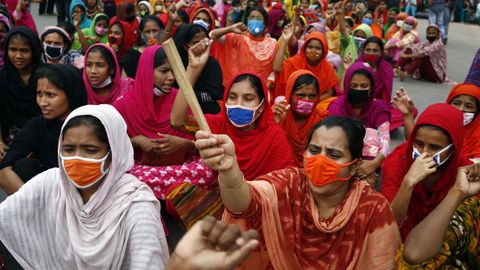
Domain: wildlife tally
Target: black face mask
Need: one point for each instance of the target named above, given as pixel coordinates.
(357, 97)
(431, 39)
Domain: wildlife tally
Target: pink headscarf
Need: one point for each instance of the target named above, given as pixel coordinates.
(143, 115)
(120, 85)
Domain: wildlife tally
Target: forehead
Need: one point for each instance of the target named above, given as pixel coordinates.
(307, 89)
(314, 42)
(54, 36)
(95, 56)
(82, 134)
(360, 33)
(465, 99)
(432, 30)
(360, 79)
(202, 14)
(372, 45)
(117, 27)
(255, 13)
(243, 88)
(151, 24)
(17, 41)
(333, 137)
(429, 135)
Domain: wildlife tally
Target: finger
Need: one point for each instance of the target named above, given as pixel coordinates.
(217, 230)
(205, 143)
(207, 225)
(211, 152)
(202, 134)
(159, 141)
(214, 161)
(239, 255)
(228, 237)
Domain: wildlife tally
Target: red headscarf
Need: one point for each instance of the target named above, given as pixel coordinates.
(326, 76)
(471, 132)
(297, 135)
(143, 115)
(210, 14)
(261, 150)
(119, 85)
(397, 164)
(129, 37)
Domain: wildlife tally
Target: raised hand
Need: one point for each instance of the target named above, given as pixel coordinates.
(239, 28)
(403, 102)
(468, 180)
(297, 11)
(213, 244)
(287, 32)
(280, 111)
(199, 53)
(216, 151)
(423, 166)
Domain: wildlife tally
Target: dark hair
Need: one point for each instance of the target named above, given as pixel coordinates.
(89, 121)
(160, 58)
(107, 55)
(183, 15)
(367, 74)
(304, 80)
(254, 81)
(68, 27)
(262, 11)
(195, 29)
(22, 37)
(436, 128)
(150, 18)
(353, 128)
(375, 40)
(52, 77)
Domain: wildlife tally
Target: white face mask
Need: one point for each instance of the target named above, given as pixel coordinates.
(436, 157)
(159, 92)
(468, 118)
(158, 8)
(201, 23)
(407, 27)
(399, 23)
(280, 23)
(107, 81)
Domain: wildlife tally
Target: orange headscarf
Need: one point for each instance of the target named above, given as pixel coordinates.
(297, 134)
(324, 72)
(471, 132)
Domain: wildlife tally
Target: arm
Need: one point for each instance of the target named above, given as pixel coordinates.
(81, 38)
(405, 105)
(425, 240)
(238, 28)
(285, 39)
(218, 153)
(10, 182)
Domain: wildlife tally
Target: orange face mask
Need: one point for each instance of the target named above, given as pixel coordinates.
(84, 172)
(322, 171)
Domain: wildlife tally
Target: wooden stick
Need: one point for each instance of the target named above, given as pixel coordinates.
(184, 83)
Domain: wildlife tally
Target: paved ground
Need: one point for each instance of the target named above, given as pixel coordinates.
(464, 40)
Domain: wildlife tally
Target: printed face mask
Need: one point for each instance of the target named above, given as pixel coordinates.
(100, 30)
(303, 107)
(242, 116)
(436, 157)
(52, 51)
(202, 24)
(468, 118)
(322, 171)
(359, 42)
(84, 172)
(255, 27)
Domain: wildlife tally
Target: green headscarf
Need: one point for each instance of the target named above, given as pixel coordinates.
(91, 32)
(389, 21)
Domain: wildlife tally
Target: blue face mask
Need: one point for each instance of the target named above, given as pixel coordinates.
(367, 21)
(255, 27)
(241, 116)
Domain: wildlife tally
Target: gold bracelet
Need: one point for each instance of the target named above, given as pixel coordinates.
(234, 187)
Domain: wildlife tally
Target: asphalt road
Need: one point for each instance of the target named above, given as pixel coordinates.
(464, 40)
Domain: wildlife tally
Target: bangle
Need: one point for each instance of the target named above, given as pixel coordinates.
(234, 187)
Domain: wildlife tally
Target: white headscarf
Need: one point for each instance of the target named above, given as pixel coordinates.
(46, 225)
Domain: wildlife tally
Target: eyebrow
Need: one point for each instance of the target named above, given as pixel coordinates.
(328, 148)
(82, 145)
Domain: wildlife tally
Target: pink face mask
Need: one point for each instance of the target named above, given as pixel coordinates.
(100, 30)
(303, 107)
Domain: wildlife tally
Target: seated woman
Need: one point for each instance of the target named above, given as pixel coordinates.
(359, 103)
(102, 76)
(209, 87)
(151, 29)
(305, 216)
(448, 237)
(17, 91)
(300, 110)
(164, 157)
(396, 25)
(419, 173)
(60, 90)
(404, 38)
(91, 213)
(254, 46)
(96, 33)
(313, 57)
(56, 45)
(121, 38)
(425, 60)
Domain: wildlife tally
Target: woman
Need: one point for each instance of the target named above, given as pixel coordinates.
(17, 94)
(5, 26)
(312, 57)
(307, 104)
(396, 25)
(203, 17)
(94, 7)
(359, 103)
(144, 9)
(102, 76)
(56, 46)
(404, 38)
(160, 151)
(60, 90)
(419, 173)
(391, 18)
(209, 88)
(96, 33)
(276, 17)
(121, 37)
(233, 42)
(151, 29)
(89, 218)
(305, 216)
(78, 14)
(21, 15)
(427, 60)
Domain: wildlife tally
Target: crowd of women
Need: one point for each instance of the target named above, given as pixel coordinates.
(105, 165)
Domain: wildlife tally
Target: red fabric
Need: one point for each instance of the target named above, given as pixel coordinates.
(210, 14)
(26, 20)
(471, 132)
(261, 150)
(129, 37)
(424, 66)
(297, 134)
(397, 164)
(326, 76)
(119, 85)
